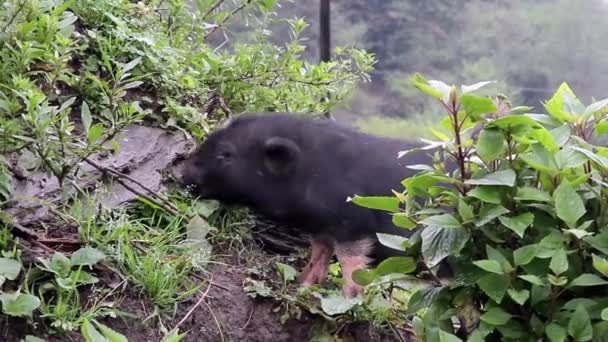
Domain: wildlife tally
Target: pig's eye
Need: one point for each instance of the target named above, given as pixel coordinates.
(224, 155)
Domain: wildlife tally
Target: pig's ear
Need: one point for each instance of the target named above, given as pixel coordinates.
(280, 156)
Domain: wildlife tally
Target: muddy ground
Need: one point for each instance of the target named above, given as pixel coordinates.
(227, 313)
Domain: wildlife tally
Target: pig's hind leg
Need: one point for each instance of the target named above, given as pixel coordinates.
(353, 255)
(315, 272)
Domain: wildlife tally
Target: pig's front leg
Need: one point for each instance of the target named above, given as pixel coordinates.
(315, 272)
(353, 255)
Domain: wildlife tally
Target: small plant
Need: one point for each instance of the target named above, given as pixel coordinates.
(521, 220)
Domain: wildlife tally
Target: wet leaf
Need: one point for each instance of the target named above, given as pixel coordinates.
(496, 316)
(397, 242)
(438, 243)
(337, 304)
(579, 326)
(390, 204)
(503, 177)
(10, 268)
(568, 204)
(19, 304)
(87, 256)
(287, 272)
(587, 279)
(520, 297)
(494, 285)
(518, 224)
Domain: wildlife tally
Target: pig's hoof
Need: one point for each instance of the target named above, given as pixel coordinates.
(352, 290)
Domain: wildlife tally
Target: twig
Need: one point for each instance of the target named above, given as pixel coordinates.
(219, 327)
(122, 175)
(231, 14)
(396, 333)
(103, 169)
(200, 301)
(211, 9)
(249, 319)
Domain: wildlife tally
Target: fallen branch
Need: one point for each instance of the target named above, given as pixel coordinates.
(117, 175)
(198, 303)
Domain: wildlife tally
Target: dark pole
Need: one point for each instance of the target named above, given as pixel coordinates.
(324, 37)
(324, 31)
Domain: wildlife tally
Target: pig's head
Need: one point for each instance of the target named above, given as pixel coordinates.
(247, 162)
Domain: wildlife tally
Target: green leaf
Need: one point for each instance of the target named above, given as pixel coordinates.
(540, 159)
(491, 144)
(85, 116)
(336, 304)
(519, 297)
(465, 211)
(532, 279)
(475, 104)
(438, 243)
(197, 230)
(489, 265)
(555, 333)
(523, 255)
(503, 177)
(131, 85)
(364, 277)
(518, 224)
(496, 316)
(287, 272)
(596, 106)
(599, 241)
(488, 194)
(423, 298)
(91, 334)
(555, 105)
(390, 204)
(174, 336)
(438, 90)
(132, 64)
(569, 158)
(579, 326)
(112, 335)
(447, 337)
(559, 262)
(568, 204)
(601, 128)
(494, 286)
(19, 304)
(543, 136)
(95, 132)
(587, 279)
(494, 254)
(60, 264)
(600, 264)
(442, 221)
(87, 256)
(397, 242)
(266, 5)
(489, 212)
(396, 265)
(509, 121)
(9, 268)
(83, 277)
(402, 221)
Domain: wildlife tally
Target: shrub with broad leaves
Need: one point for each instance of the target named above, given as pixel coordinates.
(521, 218)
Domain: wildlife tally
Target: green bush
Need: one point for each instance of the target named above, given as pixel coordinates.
(521, 220)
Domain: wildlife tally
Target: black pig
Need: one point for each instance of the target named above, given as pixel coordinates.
(300, 171)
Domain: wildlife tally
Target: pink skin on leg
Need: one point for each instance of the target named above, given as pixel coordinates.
(353, 256)
(315, 272)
